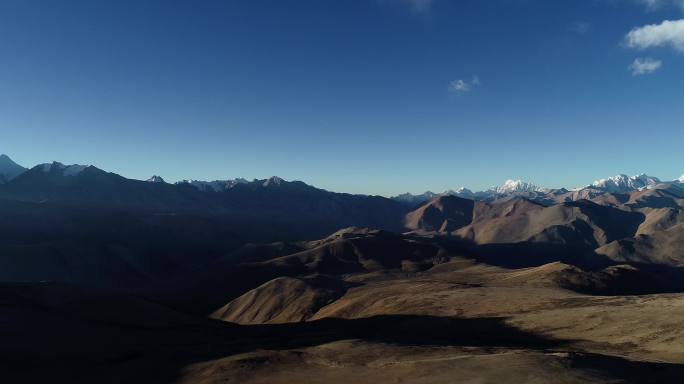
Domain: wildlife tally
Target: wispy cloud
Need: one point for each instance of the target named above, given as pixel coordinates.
(461, 86)
(580, 27)
(668, 33)
(644, 66)
(417, 6)
(421, 6)
(653, 5)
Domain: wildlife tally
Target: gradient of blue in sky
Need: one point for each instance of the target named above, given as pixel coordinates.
(358, 96)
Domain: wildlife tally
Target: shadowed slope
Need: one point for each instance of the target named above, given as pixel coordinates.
(443, 214)
(282, 300)
(582, 224)
(664, 247)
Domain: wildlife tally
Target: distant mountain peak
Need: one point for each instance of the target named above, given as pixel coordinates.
(65, 170)
(461, 192)
(214, 186)
(156, 179)
(273, 180)
(428, 195)
(681, 179)
(622, 183)
(515, 186)
(9, 169)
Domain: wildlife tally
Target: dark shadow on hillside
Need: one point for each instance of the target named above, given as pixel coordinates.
(525, 254)
(628, 371)
(158, 355)
(167, 352)
(601, 274)
(396, 329)
(532, 254)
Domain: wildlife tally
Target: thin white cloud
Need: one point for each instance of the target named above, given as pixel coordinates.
(668, 33)
(421, 6)
(463, 86)
(654, 5)
(417, 6)
(644, 66)
(580, 27)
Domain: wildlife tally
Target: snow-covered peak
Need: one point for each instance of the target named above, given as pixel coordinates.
(514, 186)
(461, 192)
(156, 179)
(623, 183)
(65, 170)
(273, 180)
(214, 186)
(681, 179)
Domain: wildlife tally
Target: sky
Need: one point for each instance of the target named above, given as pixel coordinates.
(360, 96)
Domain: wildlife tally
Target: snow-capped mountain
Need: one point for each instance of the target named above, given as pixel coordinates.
(624, 183)
(214, 186)
(223, 185)
(516, 186)
(9, 169)
(273, 181)
(509, 187)
(681, 179)
(64, 170)
(427, 195)
(462, 192)
(156, 179)
(411, 198)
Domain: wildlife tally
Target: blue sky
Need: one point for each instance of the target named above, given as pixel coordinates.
(362, 96)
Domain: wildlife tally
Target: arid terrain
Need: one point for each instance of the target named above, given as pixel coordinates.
(460, 321)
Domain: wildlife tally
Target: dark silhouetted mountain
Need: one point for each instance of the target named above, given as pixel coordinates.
(9, 169)
(301, 210)
(156, 179)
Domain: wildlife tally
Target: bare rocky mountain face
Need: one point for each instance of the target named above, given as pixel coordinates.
(108, 279)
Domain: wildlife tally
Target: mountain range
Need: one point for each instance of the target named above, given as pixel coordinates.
(10, 170)
(615, 184)
(610, 216)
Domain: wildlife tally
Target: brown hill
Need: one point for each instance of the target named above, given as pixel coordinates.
(505, 208)
(360, 250)
(441, 214)
(580, 223)
(660, 219)
(663, 247)
(281, 300)
(666, 197)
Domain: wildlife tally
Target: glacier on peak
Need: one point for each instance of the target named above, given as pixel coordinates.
(623, 183)
(515, 186)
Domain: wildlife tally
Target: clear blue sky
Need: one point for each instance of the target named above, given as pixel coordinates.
(358, 96)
